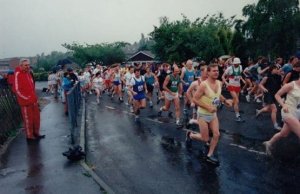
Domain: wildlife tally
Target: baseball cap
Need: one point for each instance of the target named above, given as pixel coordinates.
(236, 61)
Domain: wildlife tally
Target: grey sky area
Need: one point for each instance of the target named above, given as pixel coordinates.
(30, 27)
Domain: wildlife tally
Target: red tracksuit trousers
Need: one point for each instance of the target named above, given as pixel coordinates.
(31, 120)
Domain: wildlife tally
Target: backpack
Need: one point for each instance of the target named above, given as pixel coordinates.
(74, 153)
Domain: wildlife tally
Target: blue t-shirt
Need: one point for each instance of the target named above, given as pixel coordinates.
(287, 68)
(189, 76)
(67, 84)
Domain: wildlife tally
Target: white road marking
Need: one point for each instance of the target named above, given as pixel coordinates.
(156, 121)
(249, 150)
(109, 107)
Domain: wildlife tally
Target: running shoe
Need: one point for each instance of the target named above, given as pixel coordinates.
(137, 118)
(158, 101)
(121, 99)
(159, 113)
(239, 119)
(185, 111)
(98, 101)
(268, 148)
(248, 98)
(188, 140)
(277, 127)
(178, 124)
(193, 121)
(170, 115)
(212, 159)
(131, 109)
(257, 113)
(151, 104)
(258, 100)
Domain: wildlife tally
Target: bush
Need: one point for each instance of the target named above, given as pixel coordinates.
(41, 76)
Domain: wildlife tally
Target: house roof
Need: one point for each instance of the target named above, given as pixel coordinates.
(147, 55)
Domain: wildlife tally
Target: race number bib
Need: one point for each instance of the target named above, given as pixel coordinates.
(140, 88)
(216, 102)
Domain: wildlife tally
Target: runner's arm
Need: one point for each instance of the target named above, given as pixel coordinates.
(262, 83)
(224, 77)
(287, 78)
(165, 85)
(189, 92)
(182, 76)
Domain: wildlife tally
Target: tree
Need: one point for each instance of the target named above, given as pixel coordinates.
(104, 53)
(272, 27)
(207, 38)
(48, 62)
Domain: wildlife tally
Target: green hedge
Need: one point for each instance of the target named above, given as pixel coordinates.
(41, 76)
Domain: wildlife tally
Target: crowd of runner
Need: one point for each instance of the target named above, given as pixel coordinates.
(272, 84)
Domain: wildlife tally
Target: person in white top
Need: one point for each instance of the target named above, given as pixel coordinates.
(98, 86)
(126, 79)
(52, 83)
(290, 113)
(234, 75)
(87, 76)
(97, 69)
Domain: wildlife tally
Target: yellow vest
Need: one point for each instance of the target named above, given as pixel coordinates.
(210, 98)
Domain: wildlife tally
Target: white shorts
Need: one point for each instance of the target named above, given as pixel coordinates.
(206, 118)
(170, 97)
(292, 113)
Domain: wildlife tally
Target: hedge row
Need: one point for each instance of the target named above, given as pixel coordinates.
(41, 76)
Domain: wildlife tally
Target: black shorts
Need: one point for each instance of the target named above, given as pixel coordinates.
(269, 98)
(149, 88)
(161, 86)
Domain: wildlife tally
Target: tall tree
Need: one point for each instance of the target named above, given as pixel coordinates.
(47, 62)
(206, 38)
(272, 27)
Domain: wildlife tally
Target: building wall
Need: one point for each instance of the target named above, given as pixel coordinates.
(13, 63)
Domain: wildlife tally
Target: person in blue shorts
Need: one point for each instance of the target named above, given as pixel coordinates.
(138, 89)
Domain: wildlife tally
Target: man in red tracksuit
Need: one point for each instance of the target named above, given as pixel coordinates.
(25, 91)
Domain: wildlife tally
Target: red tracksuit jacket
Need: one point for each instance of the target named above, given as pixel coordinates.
(24, 88)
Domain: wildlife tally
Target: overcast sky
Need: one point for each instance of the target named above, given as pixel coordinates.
(30, 27)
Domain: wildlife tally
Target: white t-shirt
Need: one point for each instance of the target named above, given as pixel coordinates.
(128, 77)
(87, 76)
(52, 79)
(235, 75)
(98, 82)
(132, 81)
(96, 71)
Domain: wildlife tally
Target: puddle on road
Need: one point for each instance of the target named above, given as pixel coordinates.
(35, 188)
(170, 143)
(241, 140)
(160, 119)
(35, 170)
(7, 171)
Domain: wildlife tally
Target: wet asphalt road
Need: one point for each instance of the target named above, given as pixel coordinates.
(151, 156)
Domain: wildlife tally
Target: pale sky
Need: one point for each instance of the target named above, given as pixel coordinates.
(31, 27)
